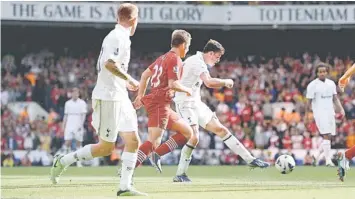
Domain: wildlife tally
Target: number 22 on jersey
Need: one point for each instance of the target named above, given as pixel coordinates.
(158, 70)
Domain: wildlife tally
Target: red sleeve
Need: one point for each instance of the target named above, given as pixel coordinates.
(173, 68)
(151, 67)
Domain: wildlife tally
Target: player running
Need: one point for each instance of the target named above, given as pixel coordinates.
(75, 114)
(322, 96)
(196, 113)
(164, 74)
(344, 158)
(113, 111)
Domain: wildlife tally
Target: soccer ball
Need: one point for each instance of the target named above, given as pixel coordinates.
(285, 164)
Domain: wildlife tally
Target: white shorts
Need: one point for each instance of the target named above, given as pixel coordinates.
(111, 117)
(74, 133)
(195, 112)
(326, 124)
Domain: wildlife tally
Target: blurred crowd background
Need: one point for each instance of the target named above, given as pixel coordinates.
(270, 67)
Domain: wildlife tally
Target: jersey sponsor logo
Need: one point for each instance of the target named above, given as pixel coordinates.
(325, 96)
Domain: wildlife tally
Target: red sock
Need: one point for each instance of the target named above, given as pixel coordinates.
(350, 153)
(174, 142)
(144, 150)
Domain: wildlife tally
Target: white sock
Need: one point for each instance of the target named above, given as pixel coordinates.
(237, 147)
(128, 162)
(326, 149)
(185, 159)
(78, 163)
(81, 154)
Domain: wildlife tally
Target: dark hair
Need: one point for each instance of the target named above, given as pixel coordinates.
(322, 65)
(213, 46)
(179, 37)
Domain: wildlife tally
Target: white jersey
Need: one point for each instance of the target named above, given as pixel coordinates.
(321, 93)
(193, 67)
(74, 109)
(116, 46)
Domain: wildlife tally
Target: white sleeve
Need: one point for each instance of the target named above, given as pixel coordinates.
(200, 68)
(66, 108)
(310, 91)
(334, 88)
(114, 49)
(84, 107)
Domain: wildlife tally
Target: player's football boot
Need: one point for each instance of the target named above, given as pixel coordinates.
(343, 165)
(258, 163)
(57, 169)
(182, 178)
(155, 161)
(130, 192)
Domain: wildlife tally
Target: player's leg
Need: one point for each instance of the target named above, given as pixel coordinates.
(154, 138)
(128, 159)
(343, 159)
(107, 129)
(178, 125)
(157, 121)
(233, 143)
(68, 137)
(189, 113)
(177, 140)
(327, 128)
(326, 147)
(128, 131)
(79, 136)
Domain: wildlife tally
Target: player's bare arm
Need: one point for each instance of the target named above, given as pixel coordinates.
(145, 77)
(65, 121)
(177, 86)
(111, 66)
(338, 105)
(216, 82)
(307, 109)
(344, 80)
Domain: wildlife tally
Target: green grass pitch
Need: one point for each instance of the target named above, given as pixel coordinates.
(209, 182)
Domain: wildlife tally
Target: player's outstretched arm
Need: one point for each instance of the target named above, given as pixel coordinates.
(306, 111)
(111, 66)
(215, 82)
(177, 86)
(146, 75)
(338, 105)
(143, 84)
(344, 80)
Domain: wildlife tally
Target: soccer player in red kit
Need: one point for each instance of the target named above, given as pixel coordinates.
(345, 157)
(164, 74)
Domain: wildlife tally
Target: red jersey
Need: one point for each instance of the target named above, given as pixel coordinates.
(166, 67)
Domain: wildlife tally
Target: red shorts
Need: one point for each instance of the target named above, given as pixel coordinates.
(160, 114)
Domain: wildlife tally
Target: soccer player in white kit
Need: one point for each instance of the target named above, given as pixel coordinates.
(322, 97)
(113, 111)
(196, 113)
(75, 111)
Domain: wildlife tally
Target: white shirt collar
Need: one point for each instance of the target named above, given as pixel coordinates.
(125, 30)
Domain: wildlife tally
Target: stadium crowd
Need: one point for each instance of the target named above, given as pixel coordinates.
(246, 109)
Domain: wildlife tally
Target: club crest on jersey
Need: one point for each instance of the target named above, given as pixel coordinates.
(175, 69)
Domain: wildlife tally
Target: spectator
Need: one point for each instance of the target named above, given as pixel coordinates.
(286, 141)
(9, 161)
(308, 159)
(297, 141)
